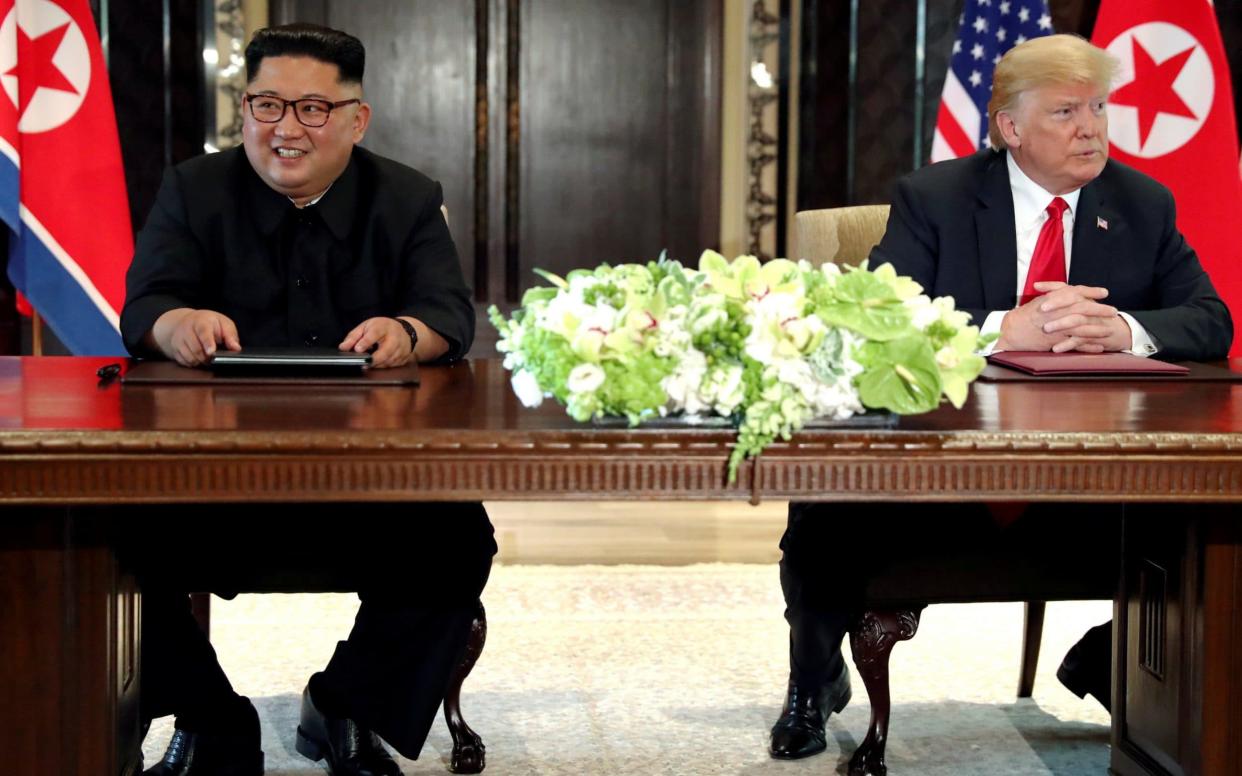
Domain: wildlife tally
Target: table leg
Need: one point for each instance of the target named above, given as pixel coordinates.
(69, 646)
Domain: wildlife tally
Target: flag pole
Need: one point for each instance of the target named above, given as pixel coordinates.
(36, 333)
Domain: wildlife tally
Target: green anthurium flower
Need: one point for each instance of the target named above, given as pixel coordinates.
(899, 375)
(864, 303)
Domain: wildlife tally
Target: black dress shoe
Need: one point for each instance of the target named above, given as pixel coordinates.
(1087, 667)
(231, 752)
(351, 750)
(800, 730)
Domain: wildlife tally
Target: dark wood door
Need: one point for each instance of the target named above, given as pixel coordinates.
(565, 133)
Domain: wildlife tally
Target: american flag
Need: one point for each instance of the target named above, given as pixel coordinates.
(988, 28)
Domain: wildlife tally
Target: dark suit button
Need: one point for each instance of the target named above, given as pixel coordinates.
(301, 282)
(312, 340)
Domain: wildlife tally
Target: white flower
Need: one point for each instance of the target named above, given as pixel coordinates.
(802, 331)
(779, 329)
(926, 311)
(584, 378)
(730, 390)
(682, 386)
(923, 313)
(526, 387)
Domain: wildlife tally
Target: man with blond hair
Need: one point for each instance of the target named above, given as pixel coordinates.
(1050, 246)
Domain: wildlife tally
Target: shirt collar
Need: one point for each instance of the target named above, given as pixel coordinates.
(1030, 200)
(314, 200)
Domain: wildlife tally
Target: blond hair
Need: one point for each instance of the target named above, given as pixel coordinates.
(1052, 59)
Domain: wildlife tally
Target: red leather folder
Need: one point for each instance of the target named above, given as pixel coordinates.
(1107, 364)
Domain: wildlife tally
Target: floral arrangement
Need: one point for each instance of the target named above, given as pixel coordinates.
(769, 345)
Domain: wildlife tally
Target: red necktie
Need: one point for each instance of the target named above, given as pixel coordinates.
(1048, 260)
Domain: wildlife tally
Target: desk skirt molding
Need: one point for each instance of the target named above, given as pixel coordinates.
(53, 467)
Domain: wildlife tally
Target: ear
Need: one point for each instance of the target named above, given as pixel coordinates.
(362, 118)
(1009, 130)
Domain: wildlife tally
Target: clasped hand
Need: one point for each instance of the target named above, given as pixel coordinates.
(1065, 318)
(191, 338)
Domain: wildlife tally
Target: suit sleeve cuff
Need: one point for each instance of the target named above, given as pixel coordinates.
(1142, 343)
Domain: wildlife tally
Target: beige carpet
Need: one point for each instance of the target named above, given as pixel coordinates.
(623, 670)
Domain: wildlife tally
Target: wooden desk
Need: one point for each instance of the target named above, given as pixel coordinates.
(69, 645)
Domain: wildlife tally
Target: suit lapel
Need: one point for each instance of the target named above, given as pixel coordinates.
(998, 241)
(1089, 257)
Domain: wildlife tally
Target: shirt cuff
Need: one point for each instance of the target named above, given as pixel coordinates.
(991, 325)
(1142, 343)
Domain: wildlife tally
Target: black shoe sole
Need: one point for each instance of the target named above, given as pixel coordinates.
(1071, 683)
(802, 756)
(308, 747)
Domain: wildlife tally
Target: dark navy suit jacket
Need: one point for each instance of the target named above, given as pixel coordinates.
(951, 228)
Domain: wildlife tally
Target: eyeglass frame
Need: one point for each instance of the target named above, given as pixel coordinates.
(250, 98)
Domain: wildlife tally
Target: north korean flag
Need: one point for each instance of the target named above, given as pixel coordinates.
(1171, 116)
(62, 186)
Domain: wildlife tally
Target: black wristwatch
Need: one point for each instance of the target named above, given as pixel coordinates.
(410, 330)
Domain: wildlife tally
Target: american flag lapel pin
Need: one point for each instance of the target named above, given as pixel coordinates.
(1101, 223)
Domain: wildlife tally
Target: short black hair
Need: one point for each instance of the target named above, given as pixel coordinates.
(308, 40)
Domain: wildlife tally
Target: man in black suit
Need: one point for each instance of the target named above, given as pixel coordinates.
(1052, 247)
(299, 238)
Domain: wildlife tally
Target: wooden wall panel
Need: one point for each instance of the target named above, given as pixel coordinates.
(601, 123)
(823, 100)
(594, 121)
(157, 91)
(884, 110)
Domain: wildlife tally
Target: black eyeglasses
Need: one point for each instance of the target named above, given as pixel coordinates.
(309, 112)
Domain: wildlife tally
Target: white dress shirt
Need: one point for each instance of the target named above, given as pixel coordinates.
(1030, 211)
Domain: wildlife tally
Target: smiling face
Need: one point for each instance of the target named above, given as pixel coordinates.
(295, 160)
(1058, 135)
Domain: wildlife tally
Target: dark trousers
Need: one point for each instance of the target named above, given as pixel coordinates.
(838, 557)
(418, 568)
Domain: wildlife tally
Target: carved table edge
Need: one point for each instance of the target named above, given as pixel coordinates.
(20, 443)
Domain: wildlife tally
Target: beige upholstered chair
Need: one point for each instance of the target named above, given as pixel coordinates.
(844, 235)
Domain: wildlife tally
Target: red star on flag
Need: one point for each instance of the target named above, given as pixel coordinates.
(1151, 91)
(34, 60)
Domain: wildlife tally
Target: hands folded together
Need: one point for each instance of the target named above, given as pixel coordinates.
(1065, 318)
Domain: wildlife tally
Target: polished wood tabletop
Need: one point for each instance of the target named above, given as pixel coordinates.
(462, 434)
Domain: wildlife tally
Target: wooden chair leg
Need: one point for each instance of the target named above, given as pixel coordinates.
(871, 641)
(1032, 633)
(468, 750)
(200, 607)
